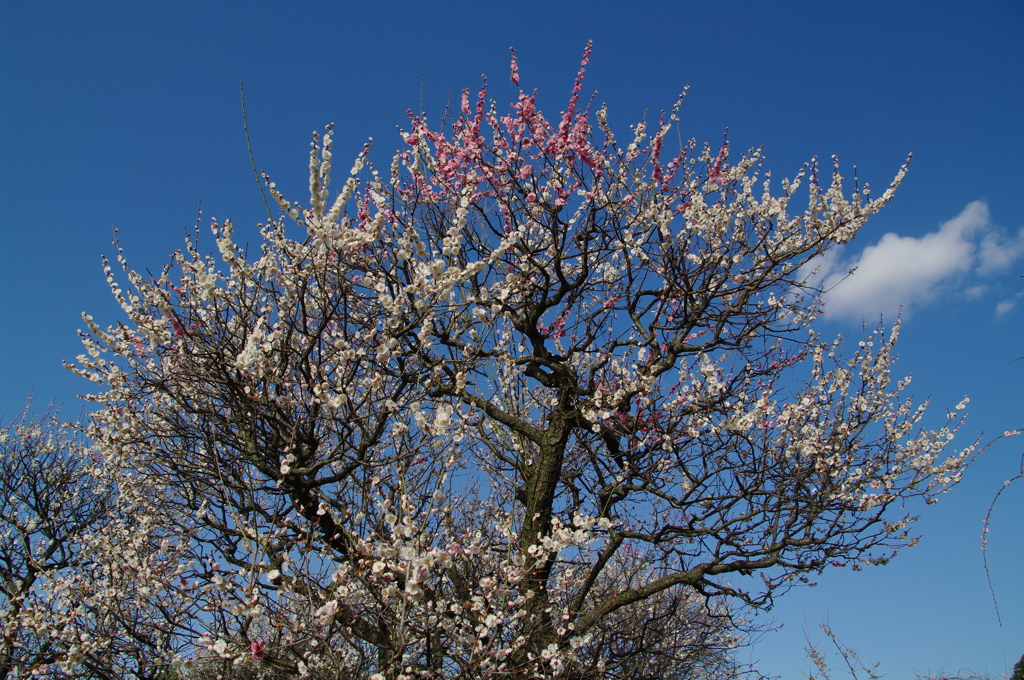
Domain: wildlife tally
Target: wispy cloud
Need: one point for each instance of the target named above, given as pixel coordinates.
(908, 272)
(1006, 305)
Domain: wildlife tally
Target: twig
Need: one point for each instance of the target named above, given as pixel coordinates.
(988, 517)
(252, 159)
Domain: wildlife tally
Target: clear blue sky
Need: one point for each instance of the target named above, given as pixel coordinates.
(127, 114)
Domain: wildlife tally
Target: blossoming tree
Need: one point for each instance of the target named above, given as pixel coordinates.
(531, 402)
(48, 501)
(78, 564)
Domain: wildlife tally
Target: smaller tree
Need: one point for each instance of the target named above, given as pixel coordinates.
(854, 667)
(49, 501)
(86, 566)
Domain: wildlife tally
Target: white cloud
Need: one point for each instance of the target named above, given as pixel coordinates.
(1008, 304)
(998, 252)
(908, 272)
(976, 292)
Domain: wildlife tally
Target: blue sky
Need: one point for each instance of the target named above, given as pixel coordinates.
(127, 115)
